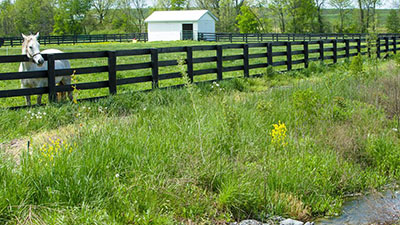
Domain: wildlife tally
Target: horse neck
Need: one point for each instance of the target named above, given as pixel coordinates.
(26, 65)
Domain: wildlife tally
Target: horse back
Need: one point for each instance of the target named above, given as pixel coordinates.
(60, 64)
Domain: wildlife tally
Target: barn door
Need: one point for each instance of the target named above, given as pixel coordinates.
(187, 31)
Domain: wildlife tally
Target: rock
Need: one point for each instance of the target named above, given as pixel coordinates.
(291, 222)
(309, 223)
(250, 222)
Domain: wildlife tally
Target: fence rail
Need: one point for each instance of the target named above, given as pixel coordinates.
(74, 39)
(219, 37)
(237, 37)
(295, 52)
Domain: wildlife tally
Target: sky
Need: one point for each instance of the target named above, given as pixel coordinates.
(387, 4)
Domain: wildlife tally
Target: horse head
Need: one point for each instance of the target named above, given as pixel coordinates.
(31, 48)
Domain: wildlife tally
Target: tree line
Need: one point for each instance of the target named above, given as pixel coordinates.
(58, 17)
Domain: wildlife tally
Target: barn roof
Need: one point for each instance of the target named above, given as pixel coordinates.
(176, 16)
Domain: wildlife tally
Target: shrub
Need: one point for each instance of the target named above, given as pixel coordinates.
(357, 66)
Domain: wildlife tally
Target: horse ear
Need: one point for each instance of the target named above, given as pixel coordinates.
(37, 35)
(24, 36)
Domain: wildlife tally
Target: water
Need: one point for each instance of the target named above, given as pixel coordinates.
(373, 208)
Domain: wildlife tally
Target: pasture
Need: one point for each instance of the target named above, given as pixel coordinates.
(206, 65)
(206, 154)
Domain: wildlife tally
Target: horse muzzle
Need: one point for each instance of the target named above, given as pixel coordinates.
(38, 60)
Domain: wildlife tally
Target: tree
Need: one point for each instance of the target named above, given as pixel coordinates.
(319, 4)
(343, 6)
(247, 21)
(7, 18)
(361, 9)
(392, 22)
(301, 14)
(370, 7)
(225, 10)
(178, 4)
(102, 8)
(279, 11)
(70, 16)
(227, 16)
(34, 16)
(131, 15)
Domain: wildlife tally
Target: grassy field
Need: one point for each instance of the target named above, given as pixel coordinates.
(291, 144)
(15, 84)
(332, 15)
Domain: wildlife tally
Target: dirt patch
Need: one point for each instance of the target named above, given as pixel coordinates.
(15, 147)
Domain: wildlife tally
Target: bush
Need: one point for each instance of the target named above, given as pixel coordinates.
(357, 66)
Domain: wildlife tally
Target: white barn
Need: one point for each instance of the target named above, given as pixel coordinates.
(179, 25)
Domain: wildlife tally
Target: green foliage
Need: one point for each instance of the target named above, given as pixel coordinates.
(301, 15)
(34, 16)
(343, 6)
(70, 15)
(247, 20)
(227, 16)
(357, 66)
(384, 154)
(397, 59)
(178, 4)
(7, 18)
(307, 102)
(393, 21)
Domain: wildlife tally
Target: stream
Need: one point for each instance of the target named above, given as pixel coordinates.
(380, 208)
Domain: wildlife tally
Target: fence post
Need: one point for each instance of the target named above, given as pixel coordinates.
(394, 45)
(289, 55)
(387, 44)
(378, 48)
(154, 67)
(246, 60)
(269, 54)
(305, 49)
(51, 78)
(219, 62)
(230, 37)
(189, 63)
(347, 43)
(334, 43)
(112, 72)
(321, 50)
(359, 45)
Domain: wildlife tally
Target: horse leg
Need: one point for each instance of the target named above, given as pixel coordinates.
(67, 81)
(27, 97)
(28, 100)
(39, 99)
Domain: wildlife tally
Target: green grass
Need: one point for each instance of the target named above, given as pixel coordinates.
(203, 153)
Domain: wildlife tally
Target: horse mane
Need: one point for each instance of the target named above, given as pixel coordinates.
(26, 41)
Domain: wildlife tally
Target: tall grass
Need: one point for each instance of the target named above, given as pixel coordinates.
(202, 154)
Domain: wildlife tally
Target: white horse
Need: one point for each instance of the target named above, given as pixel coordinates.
(31, 48)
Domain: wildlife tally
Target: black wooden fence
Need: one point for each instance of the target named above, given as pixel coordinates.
(237, 37)
(74, 39)
(272, 55)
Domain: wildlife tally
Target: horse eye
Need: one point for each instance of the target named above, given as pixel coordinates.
(30, 47)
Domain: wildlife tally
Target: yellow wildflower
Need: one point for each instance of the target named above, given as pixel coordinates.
(278, 135)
